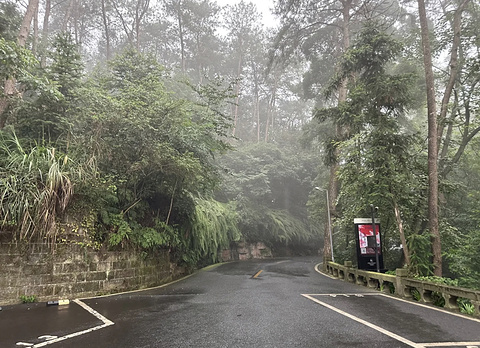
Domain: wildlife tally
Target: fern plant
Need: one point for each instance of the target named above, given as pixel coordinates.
(214, 226)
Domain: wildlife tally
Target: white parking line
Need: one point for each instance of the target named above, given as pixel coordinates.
(93, 312)
(439, 309)
(364, 322)
(388, 333)
(51, 340)
(47, 337)
(451, 344)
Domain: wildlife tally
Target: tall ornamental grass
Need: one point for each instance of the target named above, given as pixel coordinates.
(36, 185)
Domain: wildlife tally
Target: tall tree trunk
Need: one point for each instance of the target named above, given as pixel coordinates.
(76, 31)
(256, 98)
(9, 89)
(457, 21)
(44, 40)
(401, 231)
(105, 26)
(32, 8)
(333, 184)
(432, 143)
(125, 25)
(68, 15)
(170, 208)
(271, 105)
(140, 12)
(237, 98)
(35, 33)
(180, 34)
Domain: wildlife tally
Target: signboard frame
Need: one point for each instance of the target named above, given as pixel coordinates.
(366, 258)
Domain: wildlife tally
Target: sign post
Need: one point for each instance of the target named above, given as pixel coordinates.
(369, 245)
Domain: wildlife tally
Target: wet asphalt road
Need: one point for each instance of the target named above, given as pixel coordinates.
(270, 303)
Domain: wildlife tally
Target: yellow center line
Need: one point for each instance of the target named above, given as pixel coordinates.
(257, 274)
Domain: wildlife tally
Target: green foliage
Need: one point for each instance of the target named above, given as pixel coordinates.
(420, 254)
(214, 227)
(437, 297)
(368, 57)
(120, 232)
(274, 227)
(161, 235)
(466, 306)
(439, 280)
(155, 145)
(66, 67)
(15, 61)
(10, 20)
(120, 229)
(36, 187)
(28, 298)
(462, 234)
(379, 159)
(415, 294)
(270, 184)
(391, 287)
(155, 152)
(44, 113)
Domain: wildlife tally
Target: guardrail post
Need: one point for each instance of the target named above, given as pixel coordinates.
(401, 273)
(450, 301)
(476, 304)
(346, 273)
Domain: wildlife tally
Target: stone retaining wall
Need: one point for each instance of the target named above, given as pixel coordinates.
(75, 272)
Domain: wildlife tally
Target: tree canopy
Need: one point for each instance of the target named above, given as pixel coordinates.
(190, 126)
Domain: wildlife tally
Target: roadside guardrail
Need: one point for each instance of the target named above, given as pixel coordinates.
(409, 288)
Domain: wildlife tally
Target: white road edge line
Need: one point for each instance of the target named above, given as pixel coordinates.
(89, 309)
(366, 323)
(323, 274)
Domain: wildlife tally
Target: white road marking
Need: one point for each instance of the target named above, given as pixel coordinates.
(451, 344)
(283, 261)
(66, 337)
(348, 295)
(418, 345)
(431, 307)
(47, 337)
(366, 323)
(24, 344)
(415, 303)
(106, 323)
(323, 274)
(93, 312)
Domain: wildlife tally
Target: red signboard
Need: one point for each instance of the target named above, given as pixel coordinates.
(363, 232)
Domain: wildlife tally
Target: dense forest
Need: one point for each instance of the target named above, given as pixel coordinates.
(189, 126)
